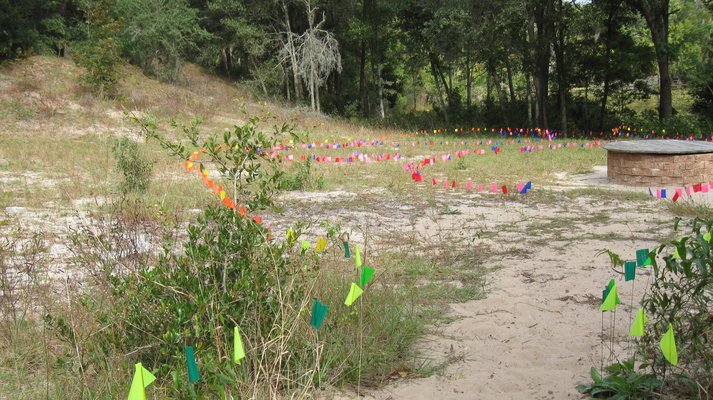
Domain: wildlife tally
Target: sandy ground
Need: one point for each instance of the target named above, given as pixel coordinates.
(538, 332)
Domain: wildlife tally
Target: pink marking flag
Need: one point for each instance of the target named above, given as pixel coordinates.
(494, 187)
(469, 186)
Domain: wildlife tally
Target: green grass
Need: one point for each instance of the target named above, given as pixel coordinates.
(690, 209)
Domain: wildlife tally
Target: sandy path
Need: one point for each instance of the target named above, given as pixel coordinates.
(537, 334)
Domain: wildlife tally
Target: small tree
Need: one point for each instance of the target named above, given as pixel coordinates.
(99, 52)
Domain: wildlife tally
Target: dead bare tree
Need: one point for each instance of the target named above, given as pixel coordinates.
(317, 52)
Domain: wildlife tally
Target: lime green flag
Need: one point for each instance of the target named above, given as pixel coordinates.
(668, 346)
(321, 245)
(238, 351)
(305, 246)
(609, 303)
(354, 294)
(357, 256)
(142, 378)
(637, 328)
(707, 237)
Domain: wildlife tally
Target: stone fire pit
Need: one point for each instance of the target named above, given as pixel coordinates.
(659, 162)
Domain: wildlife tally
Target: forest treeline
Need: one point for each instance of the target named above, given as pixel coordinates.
(558, 64)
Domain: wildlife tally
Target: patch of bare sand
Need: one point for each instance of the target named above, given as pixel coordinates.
(537, 333)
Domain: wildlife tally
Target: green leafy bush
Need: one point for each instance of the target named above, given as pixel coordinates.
(99, 52)
(680, 294)
(132, 164)
(622, 383)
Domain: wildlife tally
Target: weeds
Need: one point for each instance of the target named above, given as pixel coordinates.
(131, 163)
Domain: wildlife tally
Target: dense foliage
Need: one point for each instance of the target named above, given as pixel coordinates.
(552, 63)
(679, 295)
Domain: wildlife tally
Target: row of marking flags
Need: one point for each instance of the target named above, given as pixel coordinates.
(662, 193)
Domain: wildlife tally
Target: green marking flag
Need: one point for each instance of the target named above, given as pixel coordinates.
(142, 378)
(637, 329)
(346, 250)
(357, 256)
(304, 246)
(629, 271)
(642, 257)
(238, 350)
(319, 312)
(668, 346)
(366, 274)
(192, 367)
(321, 245)
(610, 285)
(354, 294)
(707, 237)
(610, 300)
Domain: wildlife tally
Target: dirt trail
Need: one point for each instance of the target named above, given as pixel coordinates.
(537, 334)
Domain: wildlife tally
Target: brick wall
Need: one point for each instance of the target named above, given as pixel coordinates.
(659, 169)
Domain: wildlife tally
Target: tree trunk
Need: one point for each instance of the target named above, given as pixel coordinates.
(562, 85)
(316, 96)
(362, 63)
(656, 14)
(511, 87)
(528, 98)
(501, 94)
(293, 57)
(540, 30)
(438, 86)
(659, 32)
(381, 91)
(468, 80)
(607, 71)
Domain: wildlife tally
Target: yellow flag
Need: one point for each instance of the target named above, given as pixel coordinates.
(668, 346)
(205, 172)
(321, 245)
(238, 350)
(357, 256)
(637, 328)
(291, 237)
(142, 378)
(610, 302)
(222, 194)
(354, 294)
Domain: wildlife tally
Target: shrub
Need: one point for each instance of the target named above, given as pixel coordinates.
(131, 163)
(99, 52)
(680, 294)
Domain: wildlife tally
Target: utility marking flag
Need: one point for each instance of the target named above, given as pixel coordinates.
(637, 328)
(610, 301)
(668, 346)
(319, 312)
(192, 366)
(142, 378)
(366, 274)
(354, 293)
(238, 350)
(629, 271)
